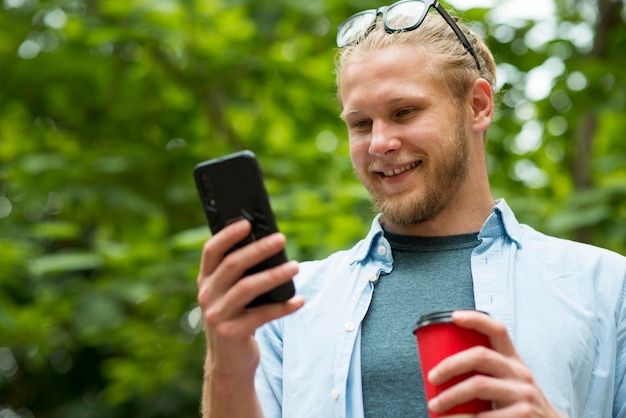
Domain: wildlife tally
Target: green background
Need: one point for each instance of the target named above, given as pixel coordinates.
(106, 106)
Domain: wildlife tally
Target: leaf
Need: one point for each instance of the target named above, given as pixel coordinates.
(56, 230)
(65, 262)
(190, 239)
(573, 219)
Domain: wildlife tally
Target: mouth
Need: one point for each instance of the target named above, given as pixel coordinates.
(399, 170)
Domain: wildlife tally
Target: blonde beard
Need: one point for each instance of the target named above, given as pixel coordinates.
(442, 182)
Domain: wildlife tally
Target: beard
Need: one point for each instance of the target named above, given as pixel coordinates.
(443, 176)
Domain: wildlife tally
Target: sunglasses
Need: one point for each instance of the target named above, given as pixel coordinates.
(404, 15)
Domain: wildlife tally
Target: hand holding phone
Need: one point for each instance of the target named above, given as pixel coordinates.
(231, 188)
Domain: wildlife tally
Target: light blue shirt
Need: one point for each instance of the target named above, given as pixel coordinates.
(562, 303)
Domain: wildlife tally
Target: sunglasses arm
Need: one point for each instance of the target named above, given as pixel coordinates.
(458, 32)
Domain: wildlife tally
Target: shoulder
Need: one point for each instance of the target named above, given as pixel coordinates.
(577, 252)
(574, 268)
(558, 252)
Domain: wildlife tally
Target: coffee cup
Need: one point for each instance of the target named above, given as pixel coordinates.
(437, 338)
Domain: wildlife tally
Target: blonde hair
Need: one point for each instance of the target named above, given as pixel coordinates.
(448, 58)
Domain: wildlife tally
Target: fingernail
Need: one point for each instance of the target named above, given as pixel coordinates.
(459, 314)
(432, 375)
(433, 404)
(291, 265)
(276, 238)
(241, 224)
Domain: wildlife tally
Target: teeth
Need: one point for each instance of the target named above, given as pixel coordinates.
(399, 170)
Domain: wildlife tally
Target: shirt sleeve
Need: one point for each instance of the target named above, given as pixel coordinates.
(619, 401)
(269, 374)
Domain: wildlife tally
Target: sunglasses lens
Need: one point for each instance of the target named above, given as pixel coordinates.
(405, 15)
(355, 28)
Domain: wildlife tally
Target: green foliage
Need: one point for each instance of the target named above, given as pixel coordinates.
(106, 106)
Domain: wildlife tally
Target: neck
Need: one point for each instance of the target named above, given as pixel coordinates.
(446, 223)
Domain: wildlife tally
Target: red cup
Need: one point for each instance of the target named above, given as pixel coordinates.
(437, 338)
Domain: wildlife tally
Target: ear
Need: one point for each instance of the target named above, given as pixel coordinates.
(480, 105)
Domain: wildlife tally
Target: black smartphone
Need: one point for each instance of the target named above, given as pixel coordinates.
(232, 188)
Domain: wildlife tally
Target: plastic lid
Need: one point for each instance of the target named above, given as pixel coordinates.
(438, 317)
(434, 318)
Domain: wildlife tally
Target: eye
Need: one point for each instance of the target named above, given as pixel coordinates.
(361, 124)
(405, 111)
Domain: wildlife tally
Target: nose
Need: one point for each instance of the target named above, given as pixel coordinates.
(383, 139)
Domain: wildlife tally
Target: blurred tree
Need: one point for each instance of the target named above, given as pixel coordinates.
(106, 106)
(555, 150)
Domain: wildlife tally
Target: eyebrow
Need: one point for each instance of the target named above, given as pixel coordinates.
(344, 113)
(394, 100)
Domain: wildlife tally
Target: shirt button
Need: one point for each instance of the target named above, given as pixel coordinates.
(348, 326)
(334, 394)
(371, 278)
(382, 250)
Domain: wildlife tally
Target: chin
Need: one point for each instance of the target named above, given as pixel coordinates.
(410, 211)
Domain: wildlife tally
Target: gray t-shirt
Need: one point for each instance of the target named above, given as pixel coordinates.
(429, 274)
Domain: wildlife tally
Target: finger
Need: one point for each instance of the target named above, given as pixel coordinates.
(240, 294)
(459, 394)
(476, 359)
(495, 330)
(481, 387)
(234, 339)
(246, 324)
(234, 265)
(231, 268)
(219, 244)
(513, 410)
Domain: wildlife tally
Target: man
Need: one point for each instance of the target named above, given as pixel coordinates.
(416, 95)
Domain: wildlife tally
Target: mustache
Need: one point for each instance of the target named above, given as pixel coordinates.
(396, 161)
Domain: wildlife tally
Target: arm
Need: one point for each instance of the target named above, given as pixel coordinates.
(506, 380)
(232, 352)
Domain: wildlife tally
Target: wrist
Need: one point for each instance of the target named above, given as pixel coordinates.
(230, 395)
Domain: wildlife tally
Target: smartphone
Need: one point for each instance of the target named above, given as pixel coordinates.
(232, 188)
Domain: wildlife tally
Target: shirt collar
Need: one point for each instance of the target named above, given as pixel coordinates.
(500, 222)
(374, 239)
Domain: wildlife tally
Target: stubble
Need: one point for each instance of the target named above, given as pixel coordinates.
(443, 176)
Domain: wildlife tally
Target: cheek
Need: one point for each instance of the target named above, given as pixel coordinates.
(358, 150)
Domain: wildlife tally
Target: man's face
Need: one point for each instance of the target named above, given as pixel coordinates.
(408, 140)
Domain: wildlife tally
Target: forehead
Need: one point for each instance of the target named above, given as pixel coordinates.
(396, 70)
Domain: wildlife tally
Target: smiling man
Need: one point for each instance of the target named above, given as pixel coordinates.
(416, 94)
(409, 142)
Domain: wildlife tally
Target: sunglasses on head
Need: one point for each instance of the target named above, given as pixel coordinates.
(404, 15)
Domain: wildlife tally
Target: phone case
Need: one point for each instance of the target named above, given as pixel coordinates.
(232, 188)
